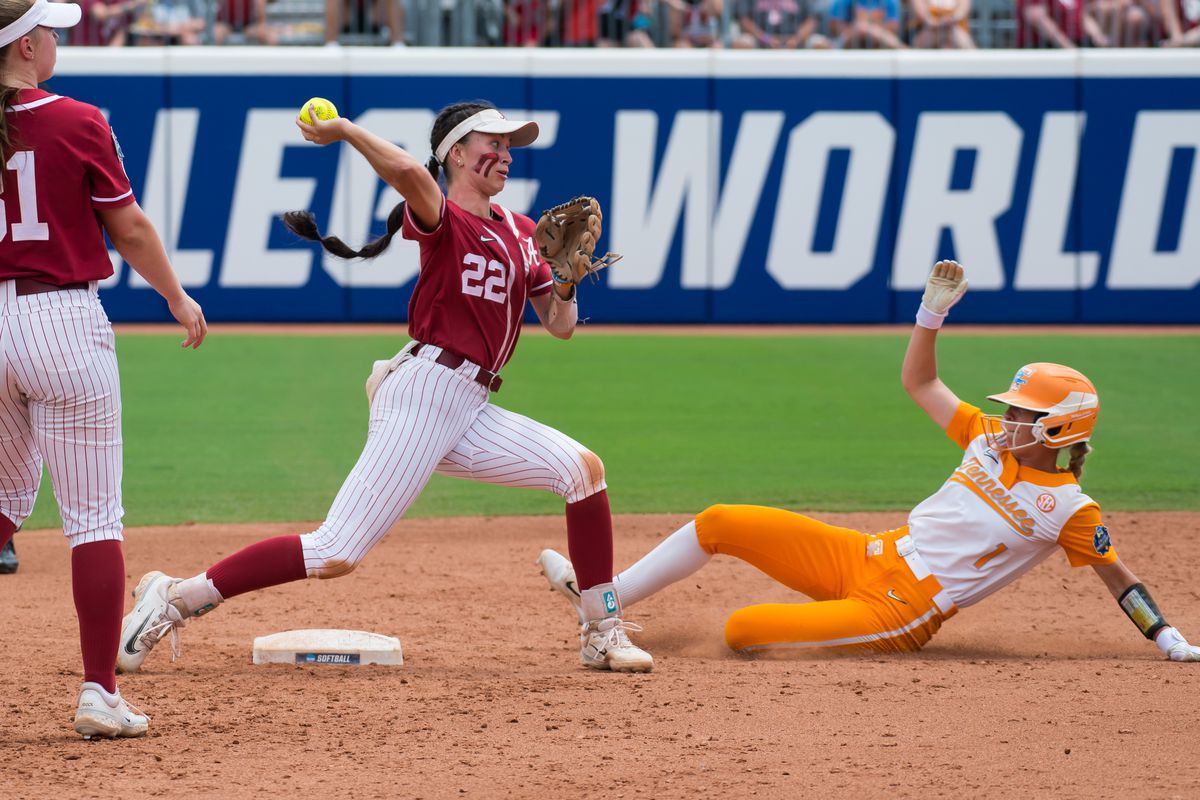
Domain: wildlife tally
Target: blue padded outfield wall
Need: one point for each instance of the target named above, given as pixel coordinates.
(741, 187)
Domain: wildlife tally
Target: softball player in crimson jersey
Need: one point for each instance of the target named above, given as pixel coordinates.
(1005, 508)
(429, 404)
(63, 186)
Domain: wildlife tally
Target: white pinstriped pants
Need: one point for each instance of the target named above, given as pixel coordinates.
(60, 400)
(426, 418)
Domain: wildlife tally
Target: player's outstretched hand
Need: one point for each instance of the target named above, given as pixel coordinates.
(322, 131)
(187, 312)
(945, 287)
(1183, 651)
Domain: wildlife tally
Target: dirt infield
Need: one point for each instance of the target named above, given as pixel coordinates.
(1044, 690)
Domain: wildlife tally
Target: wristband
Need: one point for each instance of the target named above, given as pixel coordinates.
(930, 319)
(1167, 638)
(1140, 607)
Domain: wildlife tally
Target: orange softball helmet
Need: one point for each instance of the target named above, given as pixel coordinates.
(1065, 397)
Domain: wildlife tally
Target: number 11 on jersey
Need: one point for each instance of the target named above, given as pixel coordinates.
(28, 229)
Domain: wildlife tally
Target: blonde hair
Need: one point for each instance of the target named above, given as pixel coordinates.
(10, 12)
(1079, 453)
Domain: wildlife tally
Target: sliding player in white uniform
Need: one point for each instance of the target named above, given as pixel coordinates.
(1004, 509)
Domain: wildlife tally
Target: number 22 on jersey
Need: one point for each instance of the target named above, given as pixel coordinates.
(485, 278)
(28, 229)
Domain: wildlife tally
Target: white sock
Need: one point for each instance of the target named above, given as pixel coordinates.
(199, 594)
(679, 555)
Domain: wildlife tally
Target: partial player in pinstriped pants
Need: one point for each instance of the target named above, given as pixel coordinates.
(430, 412)
(62, 187)
(61, 402)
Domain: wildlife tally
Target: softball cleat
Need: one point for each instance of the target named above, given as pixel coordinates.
(157, 611)
(605, 644)
(561, 576)
(107, 716)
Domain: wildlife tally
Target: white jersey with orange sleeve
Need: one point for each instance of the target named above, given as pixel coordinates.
(994, 520)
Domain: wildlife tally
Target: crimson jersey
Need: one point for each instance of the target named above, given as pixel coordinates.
(64, 165)
(476, 275)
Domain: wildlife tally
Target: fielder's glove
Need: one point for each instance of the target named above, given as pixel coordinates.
(567, 235)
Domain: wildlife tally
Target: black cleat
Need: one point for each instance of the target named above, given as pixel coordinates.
(8, 559)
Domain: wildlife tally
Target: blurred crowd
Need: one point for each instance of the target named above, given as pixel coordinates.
(740, 24)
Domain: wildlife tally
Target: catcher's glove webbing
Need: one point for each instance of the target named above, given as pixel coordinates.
(567, 236)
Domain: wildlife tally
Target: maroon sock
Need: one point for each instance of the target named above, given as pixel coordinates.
(98, 583)
(262, 564)
(7, 529)
(589, 540)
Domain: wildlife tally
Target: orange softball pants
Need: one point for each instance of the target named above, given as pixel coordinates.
(867, 596)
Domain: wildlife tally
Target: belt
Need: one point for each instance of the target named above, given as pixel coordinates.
(906, 548)
(453, 361)
(26, 286)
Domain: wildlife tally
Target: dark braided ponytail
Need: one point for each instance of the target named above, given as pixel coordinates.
(304, 224)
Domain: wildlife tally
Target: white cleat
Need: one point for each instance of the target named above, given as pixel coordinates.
(561, 576)
(157, 611)
(604, 644)
(107, 716)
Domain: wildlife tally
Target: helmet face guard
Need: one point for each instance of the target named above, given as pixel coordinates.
(996, 427)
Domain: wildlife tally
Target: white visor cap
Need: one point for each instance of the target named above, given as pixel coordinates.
(524, 132)
(43, 14)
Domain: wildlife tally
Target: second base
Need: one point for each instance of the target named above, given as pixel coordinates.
(328, 646)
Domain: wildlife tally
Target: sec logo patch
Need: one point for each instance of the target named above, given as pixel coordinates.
(1045, 502)
(1100, 541)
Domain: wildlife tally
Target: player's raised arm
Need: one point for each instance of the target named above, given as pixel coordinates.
(1139, 606)
(400, 169)
(919, 375)
(137, 241)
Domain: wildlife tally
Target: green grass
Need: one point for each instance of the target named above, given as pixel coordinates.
(253, 428)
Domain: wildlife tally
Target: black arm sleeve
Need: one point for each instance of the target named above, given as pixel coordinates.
(1140, 607)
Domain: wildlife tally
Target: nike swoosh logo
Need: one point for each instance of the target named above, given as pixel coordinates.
(571, 588)
(129, 642)
(486, 239)
(892, 594)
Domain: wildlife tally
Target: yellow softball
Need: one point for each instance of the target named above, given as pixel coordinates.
(324, 109)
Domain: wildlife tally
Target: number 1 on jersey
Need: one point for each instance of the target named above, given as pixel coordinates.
(28, 229)
(981, 562)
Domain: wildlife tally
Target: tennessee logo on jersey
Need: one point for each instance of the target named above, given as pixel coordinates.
(972, 474)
